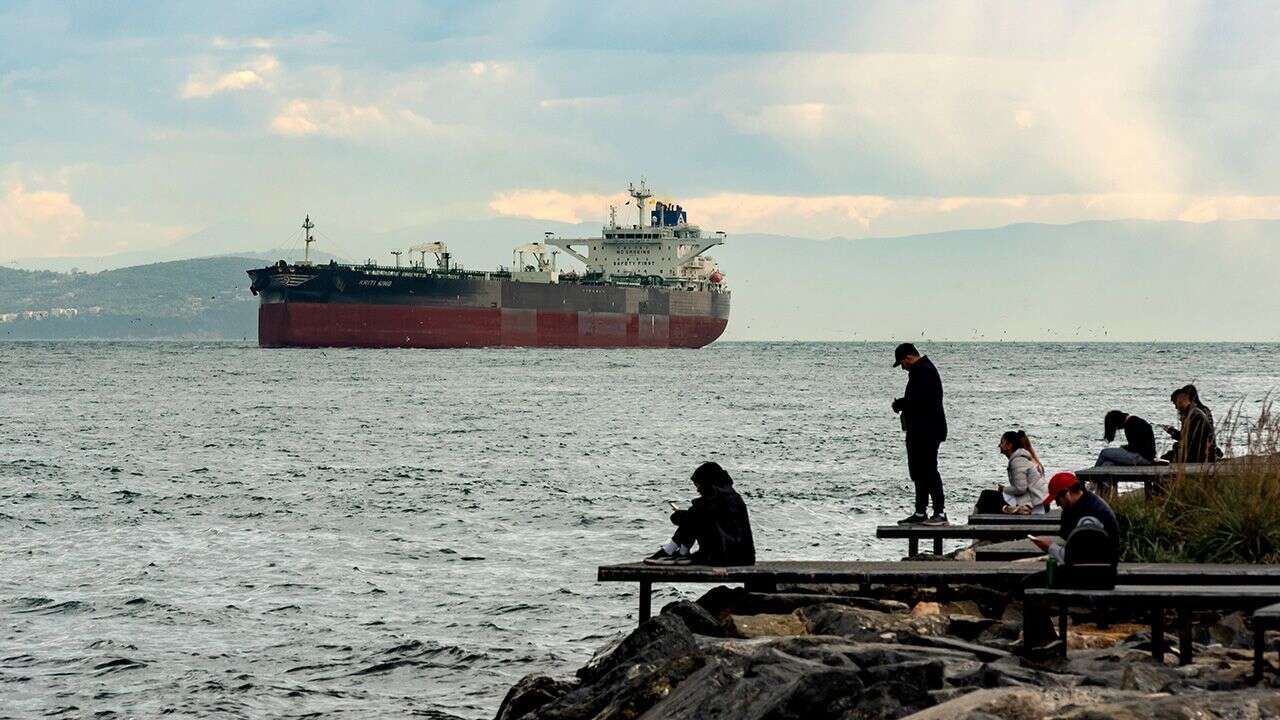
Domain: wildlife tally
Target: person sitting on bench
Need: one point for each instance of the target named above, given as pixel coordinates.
(1140, 440)
(1026, 491)
(1194, 441)
(1079, 505)
(716, 522)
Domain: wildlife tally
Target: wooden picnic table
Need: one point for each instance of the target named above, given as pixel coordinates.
(767, 575)
(1007, 519)
(937, 533)
(1192, 593)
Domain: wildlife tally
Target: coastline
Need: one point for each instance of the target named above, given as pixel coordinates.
(838, 652)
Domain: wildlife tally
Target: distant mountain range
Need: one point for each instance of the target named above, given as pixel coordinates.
(1117, 280)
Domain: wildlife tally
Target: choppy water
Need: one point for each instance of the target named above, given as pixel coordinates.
(218, 530)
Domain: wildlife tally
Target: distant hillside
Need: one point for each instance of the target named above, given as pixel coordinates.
(207, 298)
(1122, 280)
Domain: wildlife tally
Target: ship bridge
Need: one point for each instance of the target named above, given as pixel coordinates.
(661, 244)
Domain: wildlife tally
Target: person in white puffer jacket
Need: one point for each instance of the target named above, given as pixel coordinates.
(1027, 486)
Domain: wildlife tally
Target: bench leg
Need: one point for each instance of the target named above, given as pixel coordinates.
(1184, 637)
(913, 547)
(937, 546)
(646, 590)
(1062, 627)
(1259, 642)
(1157, 634)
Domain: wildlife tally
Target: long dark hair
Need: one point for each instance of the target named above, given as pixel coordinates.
(1113, 422)
(710, 475)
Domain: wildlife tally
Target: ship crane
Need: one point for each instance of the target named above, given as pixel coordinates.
(439, 249)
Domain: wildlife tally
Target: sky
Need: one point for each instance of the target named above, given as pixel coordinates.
(128, 126)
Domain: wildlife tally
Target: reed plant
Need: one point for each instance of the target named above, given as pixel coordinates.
(1231, 515)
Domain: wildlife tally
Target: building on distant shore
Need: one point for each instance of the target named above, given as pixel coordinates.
(35, 315)
(64, 312)
(8, 317)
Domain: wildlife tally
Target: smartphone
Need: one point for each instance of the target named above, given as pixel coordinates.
(673, 505)
(1032, 538)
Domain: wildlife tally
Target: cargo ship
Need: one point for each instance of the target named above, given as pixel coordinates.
(650, 284)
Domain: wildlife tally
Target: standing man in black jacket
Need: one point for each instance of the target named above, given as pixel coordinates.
(925, 422)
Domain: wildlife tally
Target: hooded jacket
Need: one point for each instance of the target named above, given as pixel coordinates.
(1027, 485)
(722, 526)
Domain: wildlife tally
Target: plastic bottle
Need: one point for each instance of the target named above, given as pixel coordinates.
(1050, 570)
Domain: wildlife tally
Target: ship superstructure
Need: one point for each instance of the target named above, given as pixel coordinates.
(645, 285)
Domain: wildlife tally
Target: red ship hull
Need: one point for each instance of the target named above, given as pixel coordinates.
(300, 324)
(345, 306)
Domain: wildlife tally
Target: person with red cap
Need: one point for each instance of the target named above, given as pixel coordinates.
(1079, 507)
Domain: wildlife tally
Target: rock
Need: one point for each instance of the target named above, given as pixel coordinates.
(1009, 672)
(1231, 631)
(869, 625)
(625, 692)
(961, 607)
(752, 603)
(760, 681)
(531, 693)
(926, 608)
(719, 599)
(981, 652)
(967, 554)
(925, 674)
(658, 639)
(695, 617)
(1019, 704)
(968, 627)
(766, 625)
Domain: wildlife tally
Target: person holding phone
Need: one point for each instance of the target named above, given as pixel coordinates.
(1079, 506)
(716, 524)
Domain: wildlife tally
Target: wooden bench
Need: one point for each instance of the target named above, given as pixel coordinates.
(766, 576)
(1007, 551)
(1006, 519)
(1264, 619)
(1194, 593)
(1107, 479)
(937, 533)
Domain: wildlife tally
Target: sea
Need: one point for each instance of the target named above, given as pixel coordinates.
(210, 529)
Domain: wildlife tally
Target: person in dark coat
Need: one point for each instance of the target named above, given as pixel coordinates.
(1194, 441)
(925, 423)
(716, 523)
(1077, 504)
(1140, 440)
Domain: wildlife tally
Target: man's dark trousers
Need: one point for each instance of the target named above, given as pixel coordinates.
(922, 464)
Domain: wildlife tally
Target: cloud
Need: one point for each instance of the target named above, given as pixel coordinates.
(877, 215)
(256, 73)
(337, 119)
(42, 222)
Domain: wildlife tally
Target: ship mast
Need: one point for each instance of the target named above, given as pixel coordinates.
(306, 253)
(641, 194)
(397, 253)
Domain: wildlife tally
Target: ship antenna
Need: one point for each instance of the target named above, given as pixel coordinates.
(641, 194)
(306, 253)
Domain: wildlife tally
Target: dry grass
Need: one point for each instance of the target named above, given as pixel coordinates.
(1232, 515)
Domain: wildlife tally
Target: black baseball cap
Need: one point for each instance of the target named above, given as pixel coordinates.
(902, 351)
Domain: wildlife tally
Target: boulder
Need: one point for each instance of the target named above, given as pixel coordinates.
(869, 625)
(658, 639)
(531, 693)
(981, 652)
(695, 617)
(968, 627)
(624, 693)
(924, 674)
(766, 625)
(1231, 631)
(923, 609)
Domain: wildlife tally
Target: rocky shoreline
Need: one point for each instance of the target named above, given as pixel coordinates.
(819, 653)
